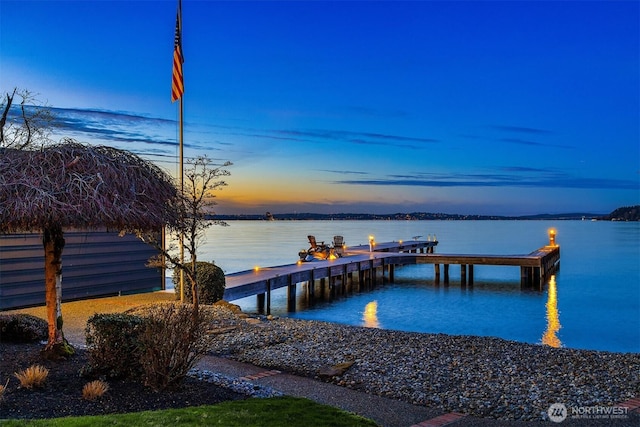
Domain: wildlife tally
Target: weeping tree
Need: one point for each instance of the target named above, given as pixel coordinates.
(70, 184)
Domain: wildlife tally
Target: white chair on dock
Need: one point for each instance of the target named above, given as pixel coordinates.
(338, 245)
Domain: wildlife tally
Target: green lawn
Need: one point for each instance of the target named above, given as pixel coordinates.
(272, 412)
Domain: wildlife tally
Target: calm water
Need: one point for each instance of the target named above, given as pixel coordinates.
(593, 302)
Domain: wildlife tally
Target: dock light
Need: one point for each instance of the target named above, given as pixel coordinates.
(371, 243)
(552, 237)
(256, 268)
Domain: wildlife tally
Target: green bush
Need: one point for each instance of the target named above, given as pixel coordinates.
(211, 283)
(22, 328)
(159, 344)
(113, 345)
(171, 342)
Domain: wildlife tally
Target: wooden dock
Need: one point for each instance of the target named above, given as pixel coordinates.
(365, 265)
(535, 268)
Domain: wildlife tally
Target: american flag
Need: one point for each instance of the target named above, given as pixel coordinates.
(177, 83)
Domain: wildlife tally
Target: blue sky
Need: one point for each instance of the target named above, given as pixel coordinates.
(485, 107)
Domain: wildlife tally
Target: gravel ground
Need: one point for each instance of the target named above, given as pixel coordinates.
(484, 377)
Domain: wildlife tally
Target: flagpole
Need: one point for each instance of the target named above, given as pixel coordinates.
(181, 133)
(177, 94)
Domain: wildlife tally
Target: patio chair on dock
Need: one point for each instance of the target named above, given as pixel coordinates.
(338, 245)
(314, 246)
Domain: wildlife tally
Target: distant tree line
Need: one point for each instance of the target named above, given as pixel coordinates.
(631, 213)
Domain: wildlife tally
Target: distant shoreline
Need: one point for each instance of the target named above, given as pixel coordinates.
(416, 216)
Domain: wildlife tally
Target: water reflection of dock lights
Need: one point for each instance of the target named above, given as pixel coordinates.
(553, 317)
(370, 315)
(552, 237)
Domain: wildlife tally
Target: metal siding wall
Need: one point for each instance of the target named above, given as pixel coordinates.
(94, 263)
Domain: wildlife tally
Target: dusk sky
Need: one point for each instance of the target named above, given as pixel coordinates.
(484, 107)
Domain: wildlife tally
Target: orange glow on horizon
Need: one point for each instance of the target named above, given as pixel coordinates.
(248, 193)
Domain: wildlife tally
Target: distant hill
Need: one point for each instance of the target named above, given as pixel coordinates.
(627, 213)
(631, 213)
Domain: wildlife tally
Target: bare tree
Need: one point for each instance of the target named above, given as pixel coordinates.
(24, 125)
(201, 179)
(70, 184)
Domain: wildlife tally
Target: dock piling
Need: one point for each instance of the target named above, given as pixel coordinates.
(260, 301)
(291, 295)
(268, 297)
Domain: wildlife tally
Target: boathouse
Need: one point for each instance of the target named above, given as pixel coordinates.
(94, 263)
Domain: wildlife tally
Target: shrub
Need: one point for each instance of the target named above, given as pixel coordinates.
(3, 388)
(94, 389)
(211, 283)
(33, 376)
(171, 342)
(112, 345)
(19, 328)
